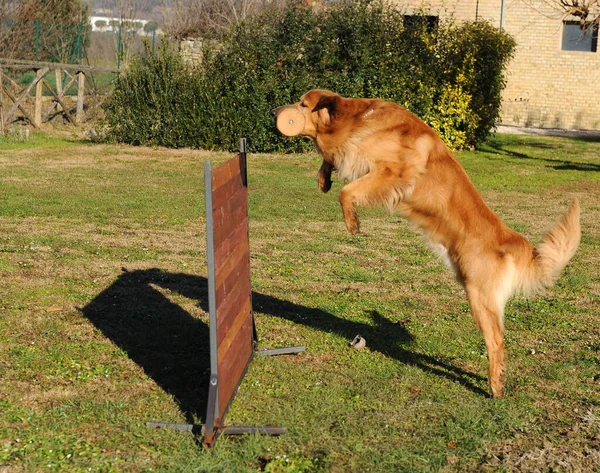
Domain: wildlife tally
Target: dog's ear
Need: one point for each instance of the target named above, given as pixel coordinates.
(326, 107)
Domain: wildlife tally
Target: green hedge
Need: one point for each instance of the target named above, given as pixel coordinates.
(449, 75)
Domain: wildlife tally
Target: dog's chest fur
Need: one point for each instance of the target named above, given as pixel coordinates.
(350, 161)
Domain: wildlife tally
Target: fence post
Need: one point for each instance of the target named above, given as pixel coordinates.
(37, 117)
(80, 97)
(58, 75)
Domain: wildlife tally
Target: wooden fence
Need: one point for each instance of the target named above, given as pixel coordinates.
(30, 106)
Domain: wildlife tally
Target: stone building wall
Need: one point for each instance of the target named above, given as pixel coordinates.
(546, 86)
(191, 51)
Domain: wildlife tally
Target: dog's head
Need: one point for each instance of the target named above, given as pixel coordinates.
(318, 108)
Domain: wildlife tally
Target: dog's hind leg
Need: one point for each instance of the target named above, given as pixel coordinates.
(489, 318)
(349, 210)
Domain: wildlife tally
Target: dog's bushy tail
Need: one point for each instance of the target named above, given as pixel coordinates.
(554, 252)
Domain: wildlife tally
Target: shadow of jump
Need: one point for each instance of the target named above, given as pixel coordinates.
(172, 346)
(166, 341)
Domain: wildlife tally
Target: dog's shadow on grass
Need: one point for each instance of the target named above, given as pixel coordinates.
(384, 336)
(173, 348)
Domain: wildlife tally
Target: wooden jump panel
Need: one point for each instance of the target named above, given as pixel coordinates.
(231, 274)
(230, 304)
(228, 217)
(234, 363)
(233, 338)
(229, 257)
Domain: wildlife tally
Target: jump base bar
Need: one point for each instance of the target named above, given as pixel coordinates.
(281, 351)
(233, 430)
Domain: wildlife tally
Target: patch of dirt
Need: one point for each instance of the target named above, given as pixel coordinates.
(34, 397)
(577, 451)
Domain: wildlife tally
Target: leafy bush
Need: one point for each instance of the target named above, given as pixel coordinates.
(451, 76)
(477, 54)
(153, 103)
(452, 117)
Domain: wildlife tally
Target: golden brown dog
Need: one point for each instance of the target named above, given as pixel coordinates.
(390, 157)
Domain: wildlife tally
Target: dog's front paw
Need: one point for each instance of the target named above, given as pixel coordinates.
(324, 181)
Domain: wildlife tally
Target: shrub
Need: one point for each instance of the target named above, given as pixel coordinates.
(451, 76)
(453, 118)
(152, 103)
(477, 55)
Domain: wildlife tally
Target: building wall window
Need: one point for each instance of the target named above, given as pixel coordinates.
(430, 22)
(575, 38)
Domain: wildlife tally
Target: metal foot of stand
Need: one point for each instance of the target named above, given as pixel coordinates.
(198, 429)
(234, 430)
(281, 351)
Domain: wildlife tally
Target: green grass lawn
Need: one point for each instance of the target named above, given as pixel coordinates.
(104, 324)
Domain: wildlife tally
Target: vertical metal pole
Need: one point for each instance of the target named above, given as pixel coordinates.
(243, 153)
(502, 15)
(244, 172)
(213, 393)
(79, 43)
(1, 102)
(210, 250)
(119, 45)
(75, 51)
(37, 40)
(211, 411)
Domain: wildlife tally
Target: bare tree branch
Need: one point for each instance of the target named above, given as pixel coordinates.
(586, 11)
(51, 30)
(211, 18)
(127, 12)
